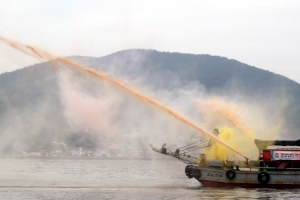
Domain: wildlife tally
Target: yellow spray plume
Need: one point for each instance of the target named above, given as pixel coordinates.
(236, 140)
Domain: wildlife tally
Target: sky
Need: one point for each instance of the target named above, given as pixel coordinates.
(260, 33)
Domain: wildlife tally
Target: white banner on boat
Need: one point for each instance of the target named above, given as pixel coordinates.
(285, 155)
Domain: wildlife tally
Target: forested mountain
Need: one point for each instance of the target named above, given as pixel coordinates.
(33, 106)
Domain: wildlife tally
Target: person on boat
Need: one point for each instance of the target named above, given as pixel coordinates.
(261, 161)
(202, 162)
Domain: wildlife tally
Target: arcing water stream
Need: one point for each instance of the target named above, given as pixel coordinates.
(45, 56)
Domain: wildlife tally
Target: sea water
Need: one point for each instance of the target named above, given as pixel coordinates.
(113, 179)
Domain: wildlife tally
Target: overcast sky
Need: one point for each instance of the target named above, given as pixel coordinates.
(261, 33)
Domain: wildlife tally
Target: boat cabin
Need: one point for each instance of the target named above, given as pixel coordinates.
(282, 158)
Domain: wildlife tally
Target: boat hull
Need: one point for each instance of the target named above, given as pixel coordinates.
(249, 179)
(247, 185)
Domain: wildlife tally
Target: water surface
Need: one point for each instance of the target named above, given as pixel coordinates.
(113, 179)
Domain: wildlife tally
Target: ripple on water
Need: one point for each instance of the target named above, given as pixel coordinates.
(113, 179)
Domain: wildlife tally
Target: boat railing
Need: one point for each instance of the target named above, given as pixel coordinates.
(267, 169)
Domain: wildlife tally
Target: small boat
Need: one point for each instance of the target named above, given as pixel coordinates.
(278, 166)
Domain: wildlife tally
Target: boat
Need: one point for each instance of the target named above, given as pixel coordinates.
(278, 166)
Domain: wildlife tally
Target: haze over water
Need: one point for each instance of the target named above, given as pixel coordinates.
(43, 55)
(107, 179)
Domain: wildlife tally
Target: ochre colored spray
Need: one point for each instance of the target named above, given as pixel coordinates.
(230, 113)
(43, 55)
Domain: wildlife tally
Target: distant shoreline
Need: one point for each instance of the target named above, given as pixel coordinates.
(78, 158)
